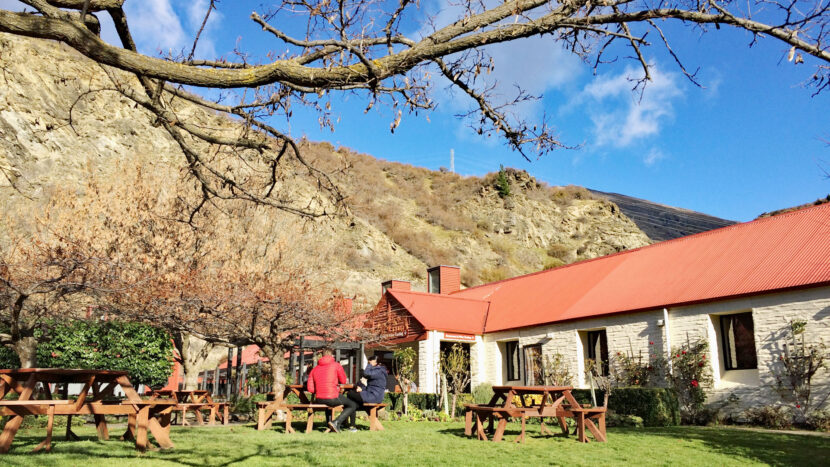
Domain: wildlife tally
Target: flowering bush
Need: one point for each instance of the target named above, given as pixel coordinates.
(631, 371)
(798, 364)
(689, 376)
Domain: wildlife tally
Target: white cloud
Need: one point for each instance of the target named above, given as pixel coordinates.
(156, 26)
(622, 116)
(654, 155)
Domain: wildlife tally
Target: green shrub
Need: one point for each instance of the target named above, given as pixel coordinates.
(656, 406)
(144, 351)
(819, 420)
(8, 359)
(614, 419)
(482, 393)
(777, 417)
(502, 183)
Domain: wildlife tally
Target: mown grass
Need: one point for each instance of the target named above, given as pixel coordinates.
(430, 443)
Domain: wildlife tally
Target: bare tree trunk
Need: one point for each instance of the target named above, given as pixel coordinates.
(277, 369)
(197, 355)
(26, 350)
(406, 402)
(452, 406)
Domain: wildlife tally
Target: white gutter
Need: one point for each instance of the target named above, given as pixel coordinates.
(668, 337)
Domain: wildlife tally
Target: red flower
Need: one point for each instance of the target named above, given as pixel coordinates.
(700, 364)
(684, 352)
(694, 383)
(54, 355)
(678, 355)
(118, 355)
(650, 342)
(797, 406)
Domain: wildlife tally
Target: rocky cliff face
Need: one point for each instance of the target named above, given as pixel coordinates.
(661, 222)
(58, 121)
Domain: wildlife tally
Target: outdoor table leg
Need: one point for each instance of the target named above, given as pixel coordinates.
(500, 430)
(598, 434)
(129, 435)
(309, 425)
(225, 416)
(480, 428)
(212, 419)
(47, 443)
(563, 424)
(521, 438)
(9, 432)
(184, 418)
(199, 418)
(160, 428)
(101, 426)
(289, 417)
(580, 427)
(468, 422)
(142, 422)
(70, 435)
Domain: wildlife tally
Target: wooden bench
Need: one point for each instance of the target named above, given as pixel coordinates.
(585, 417)
(31, 407)
(490, 413)
(197, 407)
(266, 411)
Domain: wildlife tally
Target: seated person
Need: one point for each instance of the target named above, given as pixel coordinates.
(372, 392)
(324, 381)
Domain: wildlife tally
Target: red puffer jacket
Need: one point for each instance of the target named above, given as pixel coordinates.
(323, 379)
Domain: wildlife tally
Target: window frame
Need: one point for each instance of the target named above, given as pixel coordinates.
(726, 348)
(602, 337)
(434, 281)
(529, 367)
(513, 373)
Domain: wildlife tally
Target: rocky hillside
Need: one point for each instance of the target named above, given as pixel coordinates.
(401, 218)
(661, 222)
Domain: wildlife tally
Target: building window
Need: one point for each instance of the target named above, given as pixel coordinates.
(534, 371)
(598, 350)
(434, 280)
(511, 354)
(737, 333)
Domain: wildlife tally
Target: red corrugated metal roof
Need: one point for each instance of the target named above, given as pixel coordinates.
(443, 312)
(786, 251)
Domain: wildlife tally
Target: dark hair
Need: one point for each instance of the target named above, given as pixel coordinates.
(373, 358)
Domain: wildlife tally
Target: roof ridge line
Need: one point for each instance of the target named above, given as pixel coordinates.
(439, 295)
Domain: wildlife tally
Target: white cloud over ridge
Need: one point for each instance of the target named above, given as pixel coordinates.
(622, 116)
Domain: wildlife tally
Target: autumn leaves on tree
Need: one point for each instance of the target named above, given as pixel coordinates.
(128, 248)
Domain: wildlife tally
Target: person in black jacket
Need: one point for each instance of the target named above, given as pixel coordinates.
(372, 392)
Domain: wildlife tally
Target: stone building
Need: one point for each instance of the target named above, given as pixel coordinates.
(737, 287)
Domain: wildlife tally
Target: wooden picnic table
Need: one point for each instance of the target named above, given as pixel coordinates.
(194, 400)
(266, 410)
(29, 383)
(534, 401)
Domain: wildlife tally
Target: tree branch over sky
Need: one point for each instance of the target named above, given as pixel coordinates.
(365, 47)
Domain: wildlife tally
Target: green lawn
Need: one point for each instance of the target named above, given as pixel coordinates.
(430, 443)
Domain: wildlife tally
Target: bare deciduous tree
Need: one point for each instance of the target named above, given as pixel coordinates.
(359, 46)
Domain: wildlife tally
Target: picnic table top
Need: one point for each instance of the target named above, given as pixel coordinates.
(62, 371)
(532, 388)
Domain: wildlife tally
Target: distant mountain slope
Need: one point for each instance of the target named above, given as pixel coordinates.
(661, 222)
(796, 208)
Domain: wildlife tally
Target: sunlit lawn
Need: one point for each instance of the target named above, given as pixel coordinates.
(429, 443)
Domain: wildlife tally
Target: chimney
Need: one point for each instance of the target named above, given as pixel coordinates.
(443, 279)
(395, 284)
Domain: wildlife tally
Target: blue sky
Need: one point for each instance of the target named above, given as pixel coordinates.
(753, 140)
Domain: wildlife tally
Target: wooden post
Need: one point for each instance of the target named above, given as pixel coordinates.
(228, 374)
(302, 362)
(238, 379)
(215, 388)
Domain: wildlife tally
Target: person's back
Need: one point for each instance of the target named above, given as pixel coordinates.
(324, 378)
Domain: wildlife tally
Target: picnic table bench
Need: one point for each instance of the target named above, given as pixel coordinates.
(553, 402)
(266, 410)
(143, 415)
(196, 401)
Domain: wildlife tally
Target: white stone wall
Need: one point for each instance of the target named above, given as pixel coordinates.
(635, 333)
(771, 315)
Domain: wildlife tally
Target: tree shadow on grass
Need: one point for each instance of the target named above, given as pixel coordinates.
(769, 448)
(90, 447)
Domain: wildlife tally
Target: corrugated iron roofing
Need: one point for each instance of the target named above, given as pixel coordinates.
(786, 251)
(444, 312)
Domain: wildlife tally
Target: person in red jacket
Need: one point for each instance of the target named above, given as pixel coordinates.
(324, 381)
